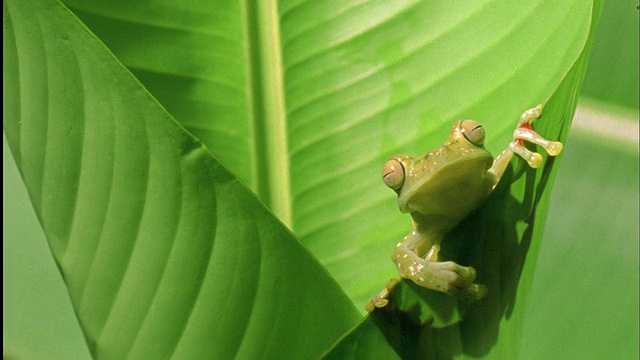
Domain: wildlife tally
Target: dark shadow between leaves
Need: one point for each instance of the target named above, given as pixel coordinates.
(488, 240)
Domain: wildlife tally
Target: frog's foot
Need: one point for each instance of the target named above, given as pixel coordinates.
(447, 277)
(380, 300)
(525, 132)
(457, 280)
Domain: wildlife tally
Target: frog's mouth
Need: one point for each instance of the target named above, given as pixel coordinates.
(447, 178)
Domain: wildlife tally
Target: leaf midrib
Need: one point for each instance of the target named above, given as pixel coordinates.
(268, 115)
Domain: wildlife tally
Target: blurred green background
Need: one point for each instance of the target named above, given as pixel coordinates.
(594, 214)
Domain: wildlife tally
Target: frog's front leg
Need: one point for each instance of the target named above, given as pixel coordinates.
(416, 258)
(523, 132)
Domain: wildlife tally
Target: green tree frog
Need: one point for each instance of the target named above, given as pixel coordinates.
(439, 189)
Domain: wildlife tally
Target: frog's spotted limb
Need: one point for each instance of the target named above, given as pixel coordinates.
(447, 276)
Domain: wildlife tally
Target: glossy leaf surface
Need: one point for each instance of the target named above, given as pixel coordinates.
(501, 240)
(394, 81)
(362, 81)
(161, 248)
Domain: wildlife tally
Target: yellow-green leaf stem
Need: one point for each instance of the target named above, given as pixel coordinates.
(271, 159)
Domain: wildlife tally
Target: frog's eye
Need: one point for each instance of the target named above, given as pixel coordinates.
(473, 132)
(393, 174)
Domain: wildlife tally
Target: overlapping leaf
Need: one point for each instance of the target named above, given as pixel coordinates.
(193, 58)
(362, 81)
(161, 247)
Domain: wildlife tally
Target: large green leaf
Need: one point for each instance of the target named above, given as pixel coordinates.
(362, 81)
(161, 248)
(503, 237)
(215, 66)
(393, 81)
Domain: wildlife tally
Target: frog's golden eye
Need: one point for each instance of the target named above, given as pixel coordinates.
(473, 132)
(393, 174)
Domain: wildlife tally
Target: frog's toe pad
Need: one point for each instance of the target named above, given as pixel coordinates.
(478, 290)
(532, 158)
(370, 306)
(528, 116)
(380, 300)
(473, 292)
(554, 148)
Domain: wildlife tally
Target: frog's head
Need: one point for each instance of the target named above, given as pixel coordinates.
(460, 161)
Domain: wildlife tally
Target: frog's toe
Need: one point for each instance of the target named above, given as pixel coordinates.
(472, 292)
(459, 275)
(370, 306)
(457, 281)
(553, 148)
(468, 272)
(391, 283)
(477, 290)
(532, 158)
(375, 302)
(529, 115)
(380, 300)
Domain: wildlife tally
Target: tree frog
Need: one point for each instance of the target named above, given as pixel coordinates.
(439, 189)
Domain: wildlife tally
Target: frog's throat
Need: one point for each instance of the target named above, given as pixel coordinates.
(447, 178)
